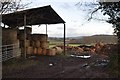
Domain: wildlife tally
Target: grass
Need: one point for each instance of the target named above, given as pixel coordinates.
(113, 66)
(73, 44)
(54, 43)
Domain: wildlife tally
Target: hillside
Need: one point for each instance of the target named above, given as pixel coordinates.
(108, 39)
(100, 38)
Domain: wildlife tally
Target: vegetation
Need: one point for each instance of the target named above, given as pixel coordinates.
(7, 6)
(113, 66)
(112, 9)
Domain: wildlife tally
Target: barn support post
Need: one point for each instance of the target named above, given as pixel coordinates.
(46, 28)
(64, 37)
(24, 54)
(46, 32)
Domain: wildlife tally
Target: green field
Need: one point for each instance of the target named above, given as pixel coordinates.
(54, 43)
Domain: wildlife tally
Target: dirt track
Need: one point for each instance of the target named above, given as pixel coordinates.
(62, 67)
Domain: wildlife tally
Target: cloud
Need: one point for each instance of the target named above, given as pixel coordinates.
(74, 19)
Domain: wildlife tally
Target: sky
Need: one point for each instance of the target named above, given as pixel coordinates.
(75, 16)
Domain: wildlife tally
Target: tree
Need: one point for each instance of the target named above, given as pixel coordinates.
(7, 6)
(112, 9)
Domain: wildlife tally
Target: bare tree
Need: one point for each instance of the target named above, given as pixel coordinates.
(7, 6)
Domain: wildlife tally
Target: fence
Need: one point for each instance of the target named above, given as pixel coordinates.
(9, 51)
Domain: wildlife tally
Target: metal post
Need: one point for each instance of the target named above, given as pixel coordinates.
(25, 36)
(46, 28)
(64, 38)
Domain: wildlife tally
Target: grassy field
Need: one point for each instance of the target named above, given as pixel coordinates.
(55, 43)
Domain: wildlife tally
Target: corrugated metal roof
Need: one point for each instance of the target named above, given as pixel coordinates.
(34, 16)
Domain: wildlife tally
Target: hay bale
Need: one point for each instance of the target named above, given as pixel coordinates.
(58, 49)
(39, 50)
(29, 37)
(40, 37)
(44, 51)
(16, 52)
(21, 35)
(44, 44)
(80, 50)
(29, 50)
(32, 43)
(24, 43)
(43, 37)
(34, 50)
(9, 36)
(37, 43)
(51, 52)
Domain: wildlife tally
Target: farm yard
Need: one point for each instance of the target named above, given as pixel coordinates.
(25, 54)
(69, 65)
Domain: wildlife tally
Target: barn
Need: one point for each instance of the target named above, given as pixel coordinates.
(17, 42)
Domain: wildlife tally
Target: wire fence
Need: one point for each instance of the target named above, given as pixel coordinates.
(9, 51)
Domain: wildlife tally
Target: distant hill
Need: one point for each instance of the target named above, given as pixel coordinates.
(100, 38)
(108, 39)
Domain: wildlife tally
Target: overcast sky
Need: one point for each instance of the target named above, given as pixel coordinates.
(75, 18)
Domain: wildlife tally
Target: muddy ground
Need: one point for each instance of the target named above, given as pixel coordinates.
(62, 66)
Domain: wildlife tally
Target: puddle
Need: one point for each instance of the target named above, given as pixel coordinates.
(101, 62)
(83, 56)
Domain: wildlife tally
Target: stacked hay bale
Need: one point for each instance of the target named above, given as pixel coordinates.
(25, 37)
(35, 44)
(39, 43)
(9, 37)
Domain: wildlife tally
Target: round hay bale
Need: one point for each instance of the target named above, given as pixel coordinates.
(9, 36)
(21, 35)
(29, 50)
(27, 43)
(43, 37)
(40, 37)
(44, 51)
(51, 52)
(58, 49)
(32, 43)
(44, 44)
(39, 50)
(29, 36)
(34, 50)
(24, 43)
(37, 43)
